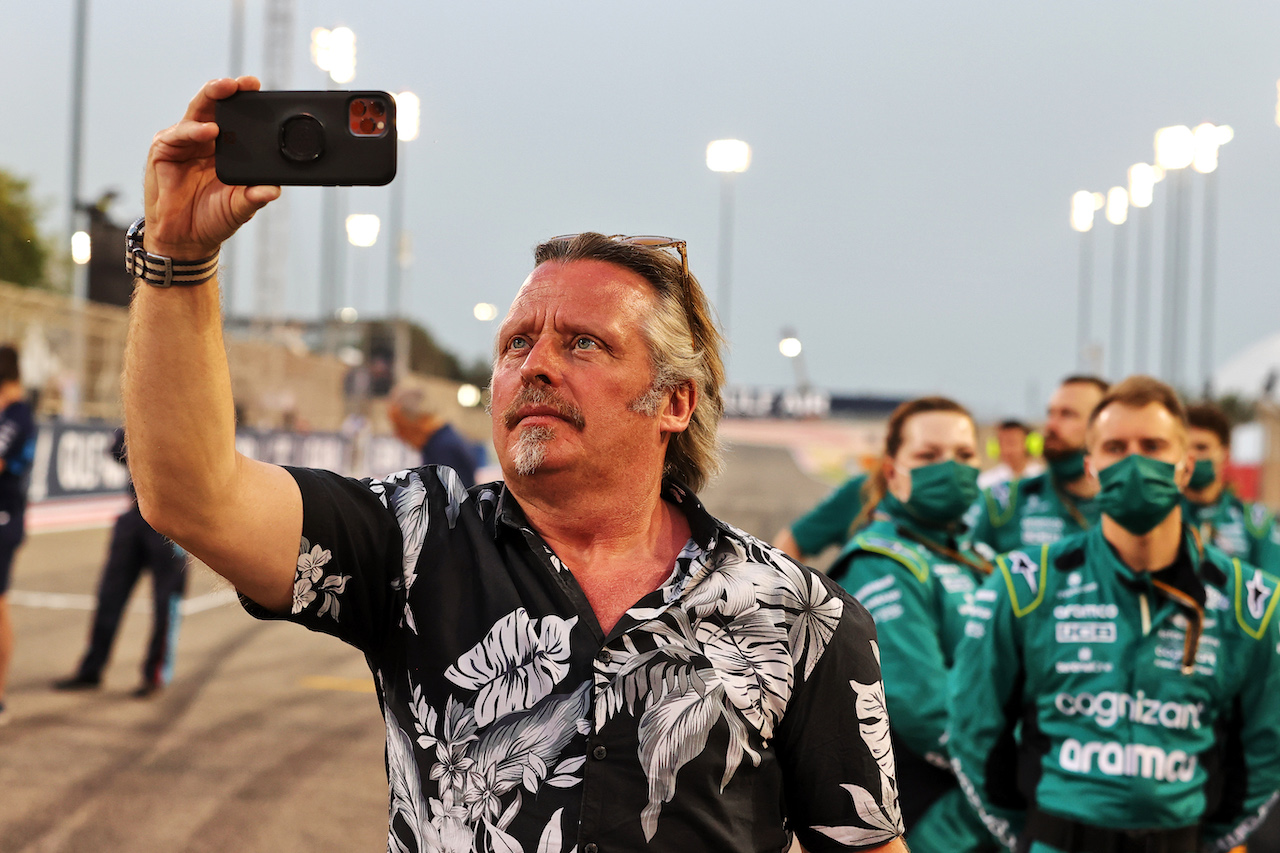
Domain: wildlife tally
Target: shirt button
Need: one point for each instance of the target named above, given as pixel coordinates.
(604, 656)
(591, 848)
(599, 753)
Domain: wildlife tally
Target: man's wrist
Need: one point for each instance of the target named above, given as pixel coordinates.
(161, 270)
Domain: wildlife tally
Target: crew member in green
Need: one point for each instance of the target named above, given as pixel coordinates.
(1119, 690)
(827, 524)
(1244, 530)
(910, 569)
(1042, 509)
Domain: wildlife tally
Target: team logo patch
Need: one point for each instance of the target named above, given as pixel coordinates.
(1021, 564)
(1258, 595)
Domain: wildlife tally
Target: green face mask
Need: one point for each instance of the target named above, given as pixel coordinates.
(1138, 492)
(942, 492)
(1203, 475)
(1067, 468)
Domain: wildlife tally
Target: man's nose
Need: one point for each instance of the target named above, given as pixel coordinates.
(542, 364)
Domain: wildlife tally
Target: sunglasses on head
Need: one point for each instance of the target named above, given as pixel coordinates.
(647, 240)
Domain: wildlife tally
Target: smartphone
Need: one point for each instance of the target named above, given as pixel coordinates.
(322, 138)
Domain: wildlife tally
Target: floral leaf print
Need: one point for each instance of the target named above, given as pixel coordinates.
(751, 657)
(452, 768)
(425, 719)
(732, 586)
(515, 665)
(552, 836)
(410, 504)
(456, 492)
(407, 801)
(311, 561)
(673, 732)
(639, 672)
(532, 742)
(481, 795)
(815, 623)
(882, 826)
(459, 723)
(501, 842)
(873, 719)
(307, 579)
(739, 745)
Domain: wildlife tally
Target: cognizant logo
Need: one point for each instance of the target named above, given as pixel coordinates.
(1130, 759)
(1108, 708)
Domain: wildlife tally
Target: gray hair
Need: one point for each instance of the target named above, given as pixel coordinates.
(684, 346)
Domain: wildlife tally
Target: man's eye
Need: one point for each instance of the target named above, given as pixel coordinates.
(584, 343)
(517, 343)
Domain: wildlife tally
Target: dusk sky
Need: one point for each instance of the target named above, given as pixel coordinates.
(907, 206)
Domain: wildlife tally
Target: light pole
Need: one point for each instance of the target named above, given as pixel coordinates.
(728, 157)
(1083, 205)
(408, 110)
(1175, 149)
(227, 269)
(80, 278)
(1208, 139)
(1117, 212)
(334, 52)
(1142, 182)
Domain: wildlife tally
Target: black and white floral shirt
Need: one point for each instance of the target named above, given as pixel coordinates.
(736, 704)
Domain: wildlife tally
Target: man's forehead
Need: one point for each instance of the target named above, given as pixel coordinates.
(598, 283)
(1201, 434)
(1076, 394)
(1152, 420)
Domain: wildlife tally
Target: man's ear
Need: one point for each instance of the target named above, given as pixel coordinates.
(677, 411)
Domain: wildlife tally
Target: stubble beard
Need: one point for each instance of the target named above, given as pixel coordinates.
(531, 449)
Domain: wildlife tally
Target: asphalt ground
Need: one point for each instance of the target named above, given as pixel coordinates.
(269, 737)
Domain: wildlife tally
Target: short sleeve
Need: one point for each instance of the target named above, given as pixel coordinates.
(834, 747)
(349, 577)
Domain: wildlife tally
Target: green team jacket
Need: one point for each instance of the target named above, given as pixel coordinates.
(1247, 531)
(920, 602)
(1028, 513)
(828, 523)
(1065, 697)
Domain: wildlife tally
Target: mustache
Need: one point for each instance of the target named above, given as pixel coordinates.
(532, 395)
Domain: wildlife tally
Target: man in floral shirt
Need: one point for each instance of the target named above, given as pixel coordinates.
(580, 659)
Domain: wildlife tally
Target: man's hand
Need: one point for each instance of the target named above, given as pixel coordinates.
(189, 211)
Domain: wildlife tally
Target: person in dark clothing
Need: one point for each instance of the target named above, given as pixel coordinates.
(17, 449)
(424, 430)
(135, 545)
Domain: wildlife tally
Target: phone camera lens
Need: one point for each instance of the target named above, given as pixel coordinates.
(302, 138)
(368, 125)
(376, 109)
(357, 108)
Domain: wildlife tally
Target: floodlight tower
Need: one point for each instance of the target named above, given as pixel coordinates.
(728, 157)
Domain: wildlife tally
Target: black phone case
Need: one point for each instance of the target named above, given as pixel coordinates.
(248, 148)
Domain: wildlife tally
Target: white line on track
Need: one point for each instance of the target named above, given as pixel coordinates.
(70, 601)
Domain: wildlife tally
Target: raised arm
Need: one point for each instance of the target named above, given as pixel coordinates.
(242, 518)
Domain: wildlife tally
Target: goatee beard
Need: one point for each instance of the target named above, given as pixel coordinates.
(531, 449)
